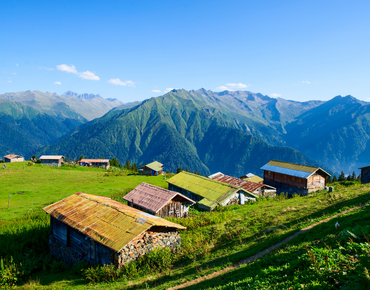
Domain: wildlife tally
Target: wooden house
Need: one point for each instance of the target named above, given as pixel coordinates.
(208, 193)
(158, 201)
(97, 229)
(293, 178)
(256, 188)
(13, 158)
(154, 168)
(101, 163)
(365, 174)
(252, 177)
(51, 160)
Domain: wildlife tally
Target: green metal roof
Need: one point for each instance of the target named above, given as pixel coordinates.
(156, 166)
(214, 192)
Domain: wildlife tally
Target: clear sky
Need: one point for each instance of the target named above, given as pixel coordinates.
(134, 50)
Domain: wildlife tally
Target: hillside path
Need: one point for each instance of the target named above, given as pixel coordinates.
(262, 253)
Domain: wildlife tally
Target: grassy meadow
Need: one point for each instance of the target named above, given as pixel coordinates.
(38, 185)
(211, 242)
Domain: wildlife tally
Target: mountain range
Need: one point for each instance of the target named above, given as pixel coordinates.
(32, 119)
(232, 131)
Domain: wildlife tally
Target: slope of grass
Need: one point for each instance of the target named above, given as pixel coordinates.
(212, 241)
(36, 186)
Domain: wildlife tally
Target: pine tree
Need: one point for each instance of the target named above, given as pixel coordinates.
(335, 179)
(179, 169)
(134, 168)
(115, 162)
(128, 165)
(349, 177)
(341, 177)
(81, 157)
(354, 177)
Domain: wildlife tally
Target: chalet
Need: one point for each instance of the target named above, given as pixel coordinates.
(206, 192)
(13, 158)
(51, 160)
(253, 187)
(294, 178)
(252, 177)
(365, 174)
(158, 201)
(154, 168)
(97, 229)
(101, 163)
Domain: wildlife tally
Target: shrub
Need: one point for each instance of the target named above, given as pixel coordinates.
(58, 266)
(9, 273)
(105, 273)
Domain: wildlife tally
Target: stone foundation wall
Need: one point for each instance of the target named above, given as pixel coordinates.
(146, 242)
(234, 200)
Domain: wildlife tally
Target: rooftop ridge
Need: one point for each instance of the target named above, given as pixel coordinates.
(209, 179)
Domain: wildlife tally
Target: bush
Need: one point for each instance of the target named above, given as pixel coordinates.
(105, 273)
(58, 266)
(9, 273)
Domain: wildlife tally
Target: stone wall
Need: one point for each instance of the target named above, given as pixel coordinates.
(146, 242)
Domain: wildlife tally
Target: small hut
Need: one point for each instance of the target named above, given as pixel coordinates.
(256, 188)
(152, 169)
(52, 160)
(158, 201)
(365, 174)
(252, 177)
(100, 163)
(97, 229)
(13, 158)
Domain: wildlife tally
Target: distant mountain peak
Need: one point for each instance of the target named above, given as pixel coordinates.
(84, 96)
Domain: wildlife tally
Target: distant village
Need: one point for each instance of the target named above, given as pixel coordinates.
(97, 229)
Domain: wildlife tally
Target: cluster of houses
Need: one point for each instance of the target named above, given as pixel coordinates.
(96, 229)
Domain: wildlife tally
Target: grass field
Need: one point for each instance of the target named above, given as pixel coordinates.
(212, 241)
(38, 185)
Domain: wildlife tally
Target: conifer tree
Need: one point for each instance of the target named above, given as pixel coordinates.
(179, 169)
(335, 179)
(341, 177)
(128, 165)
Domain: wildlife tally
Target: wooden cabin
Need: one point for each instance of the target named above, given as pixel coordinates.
(365, 174)
(208, 193)
(97, 229)
(100, 163)
(152, 169)
(256, 188)
(293, 178)
(51, 160)
(252, 177)
(13, 158)
(158, 201)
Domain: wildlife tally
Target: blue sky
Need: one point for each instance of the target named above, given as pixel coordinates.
(134, 50)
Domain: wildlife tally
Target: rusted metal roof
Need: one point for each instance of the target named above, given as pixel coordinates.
(214, 192)
(298, 170)
(94, 160)
(106, 221)
(245, 184)
(10, 156)
(51, 157)
(153, 198)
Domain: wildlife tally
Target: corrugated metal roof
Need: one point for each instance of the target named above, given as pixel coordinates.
(214, 192)
(255, 178)
(94, 160)
(156, 166)
(108, 222)
(10, 156)
(245, 184)
(292, 169)
(153, 198)
(51, 157)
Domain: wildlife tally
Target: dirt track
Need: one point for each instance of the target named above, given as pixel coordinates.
(261, 253)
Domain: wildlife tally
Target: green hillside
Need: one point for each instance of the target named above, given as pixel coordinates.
(178, 130)
(213, 241)
(24, 128)
(336, 133)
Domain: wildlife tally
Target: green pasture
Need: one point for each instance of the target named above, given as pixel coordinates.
(36, 186)
(212, 240)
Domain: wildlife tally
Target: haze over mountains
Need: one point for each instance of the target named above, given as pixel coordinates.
(231, 131)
